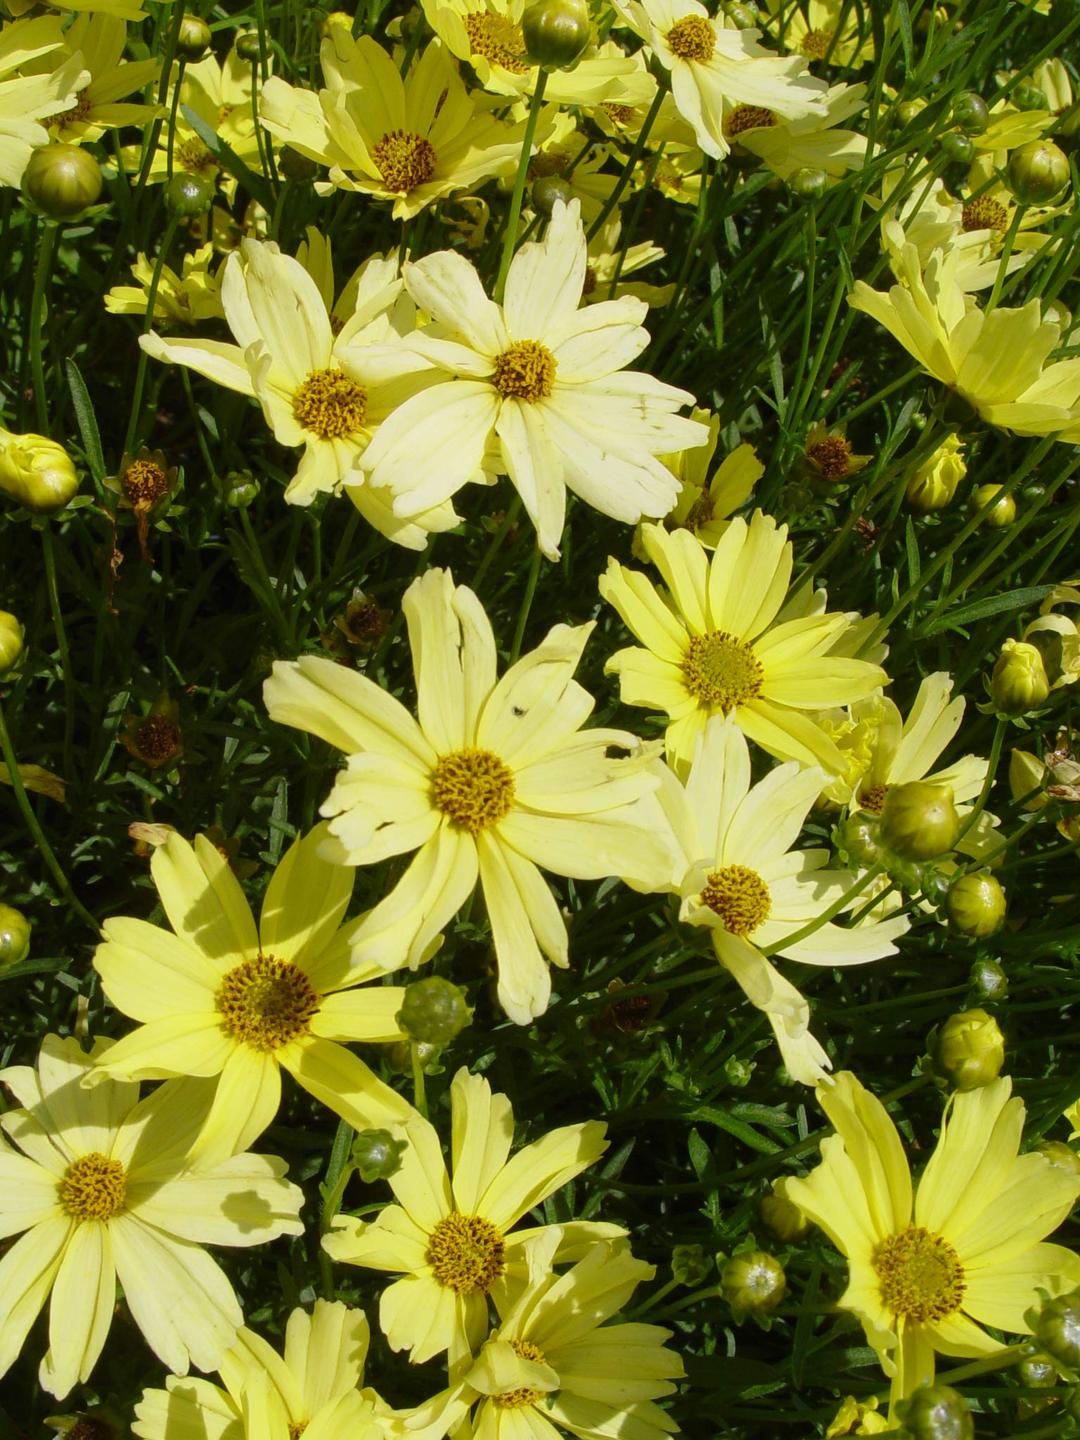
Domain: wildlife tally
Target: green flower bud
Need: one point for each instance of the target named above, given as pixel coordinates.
(934, 483)
(434, 1011)
(1036, 1373)
(240, 488)
(935, 886)
(919, 820)
(976, 905)
(988, 980)
(859, 838)
(808, 183)
(937, 1412)
(377, 1155)
(753, 1283)
(741, 16)
(1002, 514)
(909, 110)
(14, 936)
(690, 1265)
(36, 471)
(1018, 683)
(188, 195)
(248, 48)
(957, 148)
(11, 641)
(400, 1057)
(1028, 97)
(970, 1049)
(193, 38)
(556, 32)
(546, 190)
(1037, 172)
(1060, 1155)
(1056, 1327)
(784, 1218)
(738, 1072)
(295, 166)
(970, 113)
(61, 181)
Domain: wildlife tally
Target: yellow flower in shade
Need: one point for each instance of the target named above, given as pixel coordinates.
(220, 996)
(816, 28)
(106, 1189)
(609, 264)
(713, 644)
(497, 781)
(535, 388)
(857, 1417)
(26, 100)
(817, 142)
(997, 362)
(311, 1390)
(98, 42)
(1072, 1115)
(184, 299)
(452, 1240)
(706, 505)
(220, 94)
(926, 1274)
(412, 141)
(738, 876)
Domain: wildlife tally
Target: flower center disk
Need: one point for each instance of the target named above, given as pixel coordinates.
(815, 44)
(748, 117)
(722, 672)
(330, 405)
(984, 214)
(739, 896)
(93, 1188)
(472, 788)
(692, 38)
(921, 1275)
(524, 1395)
(526, 371)
(404, 160)
(498, 40)
(831, 457)
(465, 1253)
(266, 1002)
(144, 484)
(195, 157)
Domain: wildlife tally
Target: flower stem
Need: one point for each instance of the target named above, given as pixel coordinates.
(42, 275)
(419, 1098)
(148, 320)
(526, 605)
(510, 236)
(49, 557)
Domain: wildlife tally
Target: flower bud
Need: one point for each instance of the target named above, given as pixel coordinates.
(1060, 1155)
(970, 113)
(11, 641)
(988, 980)
(919, 820)
(808, 183)
(1001, 514)
(753, 1283)
(1018, 683)
(1037, 172)
(1028, 97)
(546, 190)
(689, 1264)
(934, 483)
(61, 181)
(738, 1072)
(14, 936)
(976, 905)
(296, 166)
(937, 1412)
(193, 38)
(377, 1155)
(434, 1010)
(957, 148)
(1036, 1373)
(556, 32)
(859, 838)
(248, 48)
(1056, 1326)
(240, 488)
(400, 1057)
(783, 1217)
(909, 110)
(36, 471)
(188, 196)
(741, 16)
(969, 1049)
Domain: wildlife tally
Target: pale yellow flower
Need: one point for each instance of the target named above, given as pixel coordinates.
(27, 99)
(184, 299)
(98, 41)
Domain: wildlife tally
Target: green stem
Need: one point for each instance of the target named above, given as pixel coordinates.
(991, 770)
(510, 236)
(419, 1097)
(338, 1173)
(173, 108)
(526, 605)
(42, 275)
(833, 910)
(513, 510)
(1006, 252)
(148, 320)
(631, 160)
(49, 556)
(1000, 1360)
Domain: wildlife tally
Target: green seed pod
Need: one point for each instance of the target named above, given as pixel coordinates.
(970, 113)
(1003, 513)
(1056, 1327)
(295, 166)
(248, 48)
(556, 32)
(61, 181)
(859, 838)
(753, 1284)
(11, 641)
(1018, 683)
(690, 1265)
(969, 1049)
(434, 1011)
(808, 183)
(193, 39)
(14, 936)
(1060, 1155)
(547, 190)
(1028, 97)
(988, 980)
(37, 472)
(187, 195)
(786, 1221)
(377, 1155)
(957, 148)
(976, 905)
(919, 820)
(738, 1072)
(937, 1412)
(240, 488)
(1037, 172)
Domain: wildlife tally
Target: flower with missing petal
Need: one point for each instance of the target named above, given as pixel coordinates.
(925, 1274)
(817, 142)
(98, 43)
(706, 505)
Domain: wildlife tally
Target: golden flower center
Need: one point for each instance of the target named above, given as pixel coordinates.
(985, 214)
(297, 1428)
(465, 1253)
(921, 1275)
(526, 371)
(330, 405)
(473, 788)
(701, 512)
(144, 483)
(266, 1002)
(93, 1188)
(79, 112)
(156, 739)
(404, 159)
(831, 457)
(692, 38)
(748, 117)
(874, 798)
(619, 114)
(524, 1395)
(815, 44)
(498, 40)
(194, 157)
(739, 896)
(722, 672)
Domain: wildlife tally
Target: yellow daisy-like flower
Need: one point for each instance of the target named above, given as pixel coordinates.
(816, 28)
(451, 1238)
(713, 644)
(220, 94)
(184, 299)
(975, 228)
(107, 1188)
(223, 997)
(612, 263)
(996, 361)
(706, 505)
(98, 42)
(536, 388)
(927, 1274)
(311, 1390)
(817, 141)
(26, 100)
(496, 780)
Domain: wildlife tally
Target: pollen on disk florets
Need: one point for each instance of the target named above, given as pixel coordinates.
(473, 789)
(466, 1254)
(748, 117)
(525, 371)
(524, 1394)
(739, 896)
(330, 405)
(830, 457)
(985, 213)
(266, 1002)
(144, 483)
(194, 157)
(692, 38)
(815, 44)
(404, 159)
(93, 1188)
(920, 1274)
(498, 40)
(721, 671)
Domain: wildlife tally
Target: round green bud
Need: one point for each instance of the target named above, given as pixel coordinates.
(295, 166)
(808, 183)
(1018, 683)
(556, 32)
(859, 838)
(738, 1072)
(1056, 1327)
(1036, 1373)
(919, 820)
(988, 980)
(909, 110)
(14, 936)
(11, 641)
(1028, 97)
(935, 886)
(61, 181)
(1037, 172)
(957, 148)
(400, 1057)
(239, 489)
(248, 48)
(187, 195)
(1003, 513)
(193, 39)
(969, 1049)
(753, 1283)
(742, 17)
(976, 905)
(970, 113)
(434, 1011)
(377, 1155)
(547, 190)
(937, 1412)
(690, 1265)
(37, 472)
(1060, 1155)
(786, 1221)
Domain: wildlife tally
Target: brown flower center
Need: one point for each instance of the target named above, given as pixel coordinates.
(266, 1002)
(473, 788)
(739, 896)
(874, 798)
(526, 371)
(194, 157)
(465, 1253)
(620, 114)
(815, 44)
(330, 405)
(524, 1395)
(700, 513)
(692, 38)
(79, 112)
(985, 214)
(921, 1275)
(404, 160)
(722, 672)
(93, 1188)
(144, 483)
(830, 457)
(156, 739)
(748, 117)
(297, 1428)
(498, 40)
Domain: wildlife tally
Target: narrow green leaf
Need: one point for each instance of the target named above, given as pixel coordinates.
(992, 605)
(255, 185)
(724, 1120)
(86, 420)
(903, 20)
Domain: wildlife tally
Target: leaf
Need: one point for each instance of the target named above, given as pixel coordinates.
(254, 184)
(991, 605)
(41, 782)
(87, 421)
(724, 1120)
(903, 20)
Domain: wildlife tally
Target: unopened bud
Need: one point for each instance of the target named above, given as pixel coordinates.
(753, 1284)
(859, 838)
(741, 16)
(957, 148)
(999, 515)
(239, 489)
(690, 1265)
(1028, 97)
(556, 32)
(970, 1049)
(61, 181)
(783, 1217)
(248, 48)
(193, 38)
(1056, 1326)
(434, 1010)
(14, 936)
(976, 905)
(988, 980)
(400, 1057)
(36, 471)
(1018, 683)
(937, 1412)
(1037, 172)
(547, 190)
(377, 1155)
(919, 820)
(188, 196)
(934, 483)
(970, 113)
(11, 641)
(808, 183)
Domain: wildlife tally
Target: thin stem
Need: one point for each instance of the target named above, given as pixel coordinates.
(510, 236)
(526, 605)
(631, 160)
(148, 320)
(419, 1097)
(49, 556)
(42, 275)
(826, 915)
